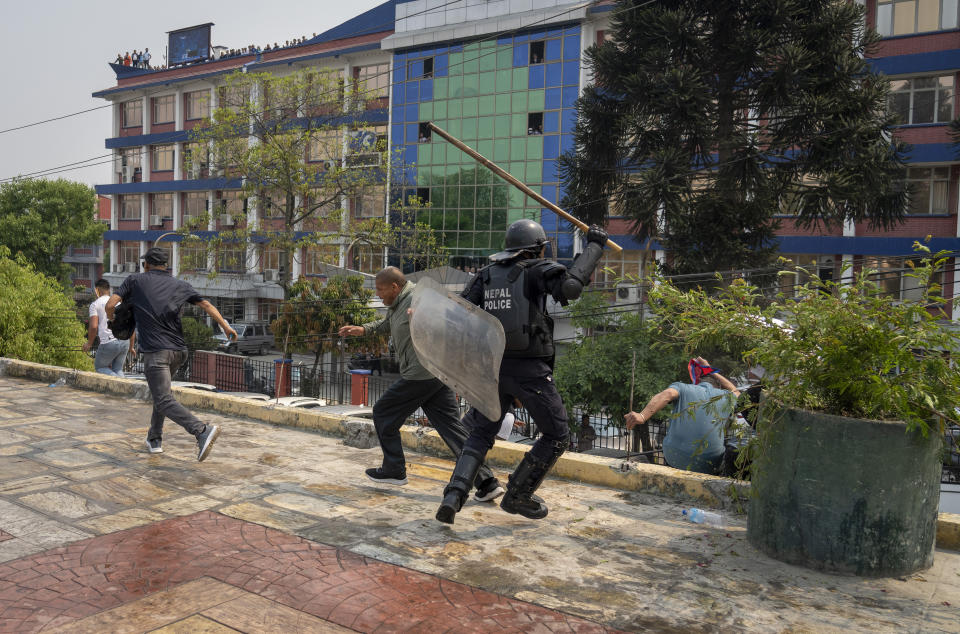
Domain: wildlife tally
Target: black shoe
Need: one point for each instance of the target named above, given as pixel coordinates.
(205, 441)
(449, 507)
(489, 491)
(532, 507)
(154, 446)
(381, 476)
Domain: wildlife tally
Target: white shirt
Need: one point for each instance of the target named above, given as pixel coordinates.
(99, 308)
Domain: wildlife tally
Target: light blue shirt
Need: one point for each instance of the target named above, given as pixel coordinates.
(694, 440)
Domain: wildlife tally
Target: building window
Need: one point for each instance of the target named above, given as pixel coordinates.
(81, 272)
(928, 190)
(232, 202)
(194, 205)
(270, 258)
(372, 83)
(922, 99)
(893, 276)
(318, 256)
(130, 207)
(420, 68)
(627, 267)
(162, 158)
(162, 205)
(133, 113)
(801, 268)
(231, 308)
(197, 104)
(535, 123)
(325, 145)
(193, 257)
(163, 109)
(230, 259)
(370, 205)
(268, 309)
(424, 132)
(536, 52)
(130, 256)
(902, 17)
(233, 97)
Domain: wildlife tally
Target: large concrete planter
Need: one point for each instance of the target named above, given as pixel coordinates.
(845, 495)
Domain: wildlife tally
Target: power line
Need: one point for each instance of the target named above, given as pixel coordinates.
(66, 116)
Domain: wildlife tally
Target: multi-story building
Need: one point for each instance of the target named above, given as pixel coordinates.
(920, 52)
(87, 260)
(153, 193)
(502, 77)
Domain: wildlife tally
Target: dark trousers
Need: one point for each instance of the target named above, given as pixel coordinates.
(159, 368)
(539, 397)
(439, 404)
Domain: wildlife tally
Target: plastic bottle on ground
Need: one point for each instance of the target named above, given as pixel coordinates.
(699, 516)
(59, 382)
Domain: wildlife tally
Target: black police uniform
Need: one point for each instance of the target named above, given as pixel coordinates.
(515, 290)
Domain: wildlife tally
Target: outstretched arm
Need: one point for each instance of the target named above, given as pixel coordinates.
(656, 404)
(211, 310)
(111, 305)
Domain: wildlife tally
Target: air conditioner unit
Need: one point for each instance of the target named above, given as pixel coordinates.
(226, 220)
(117, 267)
(131, 267)
(271, 275)
(155, 220)
(628, 293)
(128, 173)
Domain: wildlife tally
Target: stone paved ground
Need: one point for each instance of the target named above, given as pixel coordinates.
(279, 531)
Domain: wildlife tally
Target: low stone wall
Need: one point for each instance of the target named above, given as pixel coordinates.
(694, 488)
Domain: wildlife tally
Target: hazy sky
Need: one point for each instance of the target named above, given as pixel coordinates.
(55, 54)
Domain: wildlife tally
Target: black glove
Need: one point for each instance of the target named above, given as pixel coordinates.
(597, 235)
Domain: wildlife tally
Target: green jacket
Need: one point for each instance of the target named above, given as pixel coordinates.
(397, 323)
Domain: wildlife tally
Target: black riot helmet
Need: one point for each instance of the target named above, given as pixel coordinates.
(522, 235)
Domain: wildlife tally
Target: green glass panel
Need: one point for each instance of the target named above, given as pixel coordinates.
(468, 176)
(471, 62)
(426, 111)
(487, 45)
(452, 173)
(484, 175)
(488, 60)
(536, 100)
(456, 127)
(501, 127)
(437, 197)
(514, 214)
(436, 222)
(485, 128)
(483, 215)
(501, 195)
(485, 148)
(473, 48)
(456, 64)
(483, 198)
(467, 197)
(486, 105)
(518, 149)
(518, 125)
(503, 104)
(499, 220)
(501, 150)
(505, 57)
(455, 108)
(456, 87)
(439, 109)
(488, 83)
(535, 147)
(534, 172)
(471, 85)
(520, 81)
(440, 88)
(452, 196)
(469, 129)
(519, 102)
(504, 80)
(424, 154)
(470, 107)
(517, 197)
(466, 220)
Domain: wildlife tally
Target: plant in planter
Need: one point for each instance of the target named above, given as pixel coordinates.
(859, 386)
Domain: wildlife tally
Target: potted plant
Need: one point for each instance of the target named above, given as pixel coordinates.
(858, 387)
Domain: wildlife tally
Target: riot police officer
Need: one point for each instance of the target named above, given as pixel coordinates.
(514, 289)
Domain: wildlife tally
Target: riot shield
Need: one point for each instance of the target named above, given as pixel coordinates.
(458, 343)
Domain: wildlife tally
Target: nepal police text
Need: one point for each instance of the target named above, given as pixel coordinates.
(496, 299)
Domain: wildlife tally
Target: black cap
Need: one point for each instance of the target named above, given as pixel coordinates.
(155, 256)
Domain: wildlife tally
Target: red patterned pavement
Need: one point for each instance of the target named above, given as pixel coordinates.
(65, 584)
(5, 536)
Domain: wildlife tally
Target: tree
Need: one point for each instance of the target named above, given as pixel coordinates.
(37, 318)
(40, 219)
(317, 310)
(706, 119)
(197, 334)
(284, 138)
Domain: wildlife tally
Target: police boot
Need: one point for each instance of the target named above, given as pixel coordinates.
(525, 480)
(455, 494)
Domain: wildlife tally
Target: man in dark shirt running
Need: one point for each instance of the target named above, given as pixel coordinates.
(157, 299)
